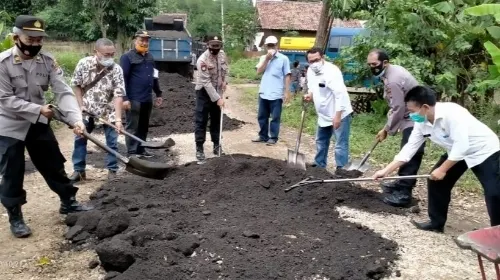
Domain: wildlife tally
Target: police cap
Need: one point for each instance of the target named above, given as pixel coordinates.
(142, 34)
(214, 41)
(31, 25)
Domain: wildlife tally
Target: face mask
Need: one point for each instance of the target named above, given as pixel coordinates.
(141, 49)
(378, 70)
(106, 62)
(214, 51)
(30, 51)
(271, 51)
(316, 67)
(416, 117)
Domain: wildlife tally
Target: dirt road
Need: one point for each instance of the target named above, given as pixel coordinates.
(422, 255)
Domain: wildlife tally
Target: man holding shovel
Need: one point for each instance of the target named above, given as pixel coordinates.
(99, 87)
(397, 82)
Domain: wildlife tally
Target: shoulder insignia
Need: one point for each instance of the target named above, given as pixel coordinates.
(5, 54)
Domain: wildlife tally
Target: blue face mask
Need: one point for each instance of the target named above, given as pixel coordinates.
(416, 117)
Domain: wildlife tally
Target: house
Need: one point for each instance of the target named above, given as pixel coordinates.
(277, 17)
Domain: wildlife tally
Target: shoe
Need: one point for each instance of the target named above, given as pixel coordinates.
(216, 150)
(17, 225)
(72, 205)
(78, 176)
(398, 198)
(200, 155)
(428, 226)
(259, 140)
(111, 175)
(145, 155)
(271, 142)
(389, 187)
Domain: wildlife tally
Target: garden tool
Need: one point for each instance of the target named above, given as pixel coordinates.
(296, 159)
(362, 165)
(220, 132)
(146, 144)
(309, 180)
(134, 165)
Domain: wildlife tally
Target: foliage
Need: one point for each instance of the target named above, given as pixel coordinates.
(68, 61)
(380, 107)
(433, 40)
(244, 70)
(7, 41)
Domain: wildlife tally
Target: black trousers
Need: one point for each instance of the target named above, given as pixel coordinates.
(138, 125)
(412, 166)
(206, 109)
(439, 192)
(45, 154)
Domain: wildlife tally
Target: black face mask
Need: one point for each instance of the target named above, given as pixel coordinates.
(30, 51)
(214, 51)
(377, 69)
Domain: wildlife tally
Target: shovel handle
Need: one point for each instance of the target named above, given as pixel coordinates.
(114, 126)
(369, 179)
(365, 158)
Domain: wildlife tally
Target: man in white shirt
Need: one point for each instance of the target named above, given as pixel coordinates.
(326, 88)
(469, 144)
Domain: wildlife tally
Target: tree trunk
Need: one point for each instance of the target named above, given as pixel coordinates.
(324, 21)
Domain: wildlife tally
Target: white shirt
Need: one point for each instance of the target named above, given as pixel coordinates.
(329, 99)
(462, 135)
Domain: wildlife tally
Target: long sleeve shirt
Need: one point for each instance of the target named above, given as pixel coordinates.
(212, 74)
(138, 73)
(331, 98)
(457, 131)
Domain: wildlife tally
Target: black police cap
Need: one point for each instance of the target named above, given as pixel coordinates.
(142, 34)
(31, 25)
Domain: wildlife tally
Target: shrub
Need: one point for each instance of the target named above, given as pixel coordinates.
(244, 69)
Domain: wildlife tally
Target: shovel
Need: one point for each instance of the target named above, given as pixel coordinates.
(134, 165)
(309, 180)
(296, 159)
(361, 165)
(146, 144)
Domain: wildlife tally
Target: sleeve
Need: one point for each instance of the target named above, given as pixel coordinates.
(205, 80)
(125, 65)
(335, 83)
(63, 93)
(459, 133)
(398, 108)
(309, 79)
(118, 82)
(156, 87)
(77, 78)
(414, 142)
(11, 103)
(261, 60)
(286, 67)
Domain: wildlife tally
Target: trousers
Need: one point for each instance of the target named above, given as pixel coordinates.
(269, 109)
(206, 109)
(46, 156)
(138, 125)
(412, 166)
(439, 192)
(323, 139)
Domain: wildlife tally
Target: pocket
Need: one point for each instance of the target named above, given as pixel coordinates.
(20, 88)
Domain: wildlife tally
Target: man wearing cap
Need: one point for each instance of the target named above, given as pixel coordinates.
(138, 73)
(274, 87)
(26, 73)
(211, 83)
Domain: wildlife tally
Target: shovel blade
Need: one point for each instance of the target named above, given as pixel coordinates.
(356, 166)
(296, 160)
(147, 169)
(158, 145)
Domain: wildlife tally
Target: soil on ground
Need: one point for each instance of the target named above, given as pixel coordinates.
(231, 219)
(176, 115)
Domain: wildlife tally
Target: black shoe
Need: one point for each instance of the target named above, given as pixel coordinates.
(389, 187)
(259, 140)
(428, 226)
(72, 206)
(200, 155)
(77, 176)
(17, 226)
(398, 199)
(216, 150)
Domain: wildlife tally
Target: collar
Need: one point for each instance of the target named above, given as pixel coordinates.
(438, 114)
(93, 65)
(17, 56)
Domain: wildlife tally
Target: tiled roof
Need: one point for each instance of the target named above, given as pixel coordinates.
(292, 15)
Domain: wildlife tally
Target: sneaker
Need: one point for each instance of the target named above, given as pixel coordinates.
(77, 176)
(200, 155)
(271, 142)
(259, 140)
(216, 150)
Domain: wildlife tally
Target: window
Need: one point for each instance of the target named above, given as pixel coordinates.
(336, 43)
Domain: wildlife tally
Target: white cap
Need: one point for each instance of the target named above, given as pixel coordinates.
(271, 40)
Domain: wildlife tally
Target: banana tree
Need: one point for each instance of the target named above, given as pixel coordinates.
(491, 47)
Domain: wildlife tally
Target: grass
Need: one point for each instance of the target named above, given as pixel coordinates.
(243, 71)
(363, 130)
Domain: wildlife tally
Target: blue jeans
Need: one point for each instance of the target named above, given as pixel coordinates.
(294, 87)
(323, 137)
(272, 109)
(80, 150)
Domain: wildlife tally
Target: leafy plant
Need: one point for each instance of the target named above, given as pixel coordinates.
(7, 41)
(380, 107)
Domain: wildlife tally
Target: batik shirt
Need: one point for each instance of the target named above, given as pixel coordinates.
(99, 99)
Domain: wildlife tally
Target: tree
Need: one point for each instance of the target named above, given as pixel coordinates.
(97, 10)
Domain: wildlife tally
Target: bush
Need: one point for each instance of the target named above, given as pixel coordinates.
(244, 69)
(68, 61)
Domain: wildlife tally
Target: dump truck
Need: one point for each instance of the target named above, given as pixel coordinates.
(172, 45)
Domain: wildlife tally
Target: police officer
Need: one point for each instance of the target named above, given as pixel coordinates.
(25, 74)
(211, 82)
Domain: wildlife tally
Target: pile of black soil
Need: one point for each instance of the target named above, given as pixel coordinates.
(176, 115)
(231, 219)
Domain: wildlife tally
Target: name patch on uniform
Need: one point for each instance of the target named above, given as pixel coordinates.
(41, 75)
(18, 77)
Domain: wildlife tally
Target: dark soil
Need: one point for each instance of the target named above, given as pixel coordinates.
(231, 219)
(176, 115)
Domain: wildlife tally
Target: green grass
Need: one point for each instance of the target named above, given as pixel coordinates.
(68, 61)
(363, 130)
(243, 71)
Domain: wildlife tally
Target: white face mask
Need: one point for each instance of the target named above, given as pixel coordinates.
(271, 51)
(106, 62)
(316, 67)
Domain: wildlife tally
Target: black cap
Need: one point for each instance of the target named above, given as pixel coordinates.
(142, 33)
(214, 41)
(31, 25)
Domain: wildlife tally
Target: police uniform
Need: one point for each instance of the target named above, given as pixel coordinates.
(212, 75)
(23, 83)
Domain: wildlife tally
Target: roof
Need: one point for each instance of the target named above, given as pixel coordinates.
(292, 15)
(169, 18)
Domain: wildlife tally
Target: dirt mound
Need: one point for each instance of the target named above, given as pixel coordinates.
(177, 113)
(231, 219)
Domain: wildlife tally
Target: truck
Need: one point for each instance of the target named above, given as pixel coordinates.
(172, 46)
(295, 48)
